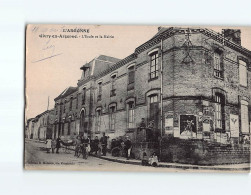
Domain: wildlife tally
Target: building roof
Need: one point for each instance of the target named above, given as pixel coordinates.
(66, 92)
(98, 65)
(104, 58)
(164, 33)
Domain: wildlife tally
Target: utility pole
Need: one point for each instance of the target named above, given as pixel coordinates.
(48, 102)
(161, 97)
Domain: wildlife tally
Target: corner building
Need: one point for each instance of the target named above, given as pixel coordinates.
(186, 82)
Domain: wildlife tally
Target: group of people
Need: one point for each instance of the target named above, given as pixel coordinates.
(119, 144)
(52, 144)
(99, 147)
(96, 146)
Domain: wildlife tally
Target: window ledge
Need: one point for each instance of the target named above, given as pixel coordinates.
(130, 130)
(243, 86)
(221, 78)
(152, 79)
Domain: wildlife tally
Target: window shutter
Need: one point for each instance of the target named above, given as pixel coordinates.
(244, 116)
(131, 76)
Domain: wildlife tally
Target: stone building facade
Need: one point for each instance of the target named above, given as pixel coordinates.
(42, 125)
(66, 108)
(184, 82)
(29, 128)
(198, 79)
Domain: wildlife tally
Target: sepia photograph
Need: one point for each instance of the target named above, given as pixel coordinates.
(137, 98)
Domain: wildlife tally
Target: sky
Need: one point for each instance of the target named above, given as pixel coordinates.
(53, 64)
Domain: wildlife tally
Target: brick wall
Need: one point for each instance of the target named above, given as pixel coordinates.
(185, 84)
(204, 153)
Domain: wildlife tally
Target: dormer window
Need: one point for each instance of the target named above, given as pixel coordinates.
(86, 72)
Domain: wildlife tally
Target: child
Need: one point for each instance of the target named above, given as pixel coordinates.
(48, 145)
(53, 145)
(153, 160)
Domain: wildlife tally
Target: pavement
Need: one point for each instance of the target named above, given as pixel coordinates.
(35, 154)
(232, 167)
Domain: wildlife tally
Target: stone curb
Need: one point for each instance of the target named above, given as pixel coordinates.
(194, 167)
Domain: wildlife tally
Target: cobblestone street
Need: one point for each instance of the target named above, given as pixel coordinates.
(35, 154)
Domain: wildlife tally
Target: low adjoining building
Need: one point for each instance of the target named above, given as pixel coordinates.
(42, 125)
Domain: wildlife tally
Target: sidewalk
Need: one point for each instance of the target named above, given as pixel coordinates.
(233, 167)
(245, 167)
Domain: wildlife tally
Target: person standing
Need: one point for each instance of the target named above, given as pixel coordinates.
(58, 144)
(128, 147)
(77, 146)
(53, 145)
(103, 142)
(96, 143)
(87, 145)
(48, 145)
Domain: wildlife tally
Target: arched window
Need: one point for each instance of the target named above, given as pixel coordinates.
(154, 67)
(83, 96)
(243, 73)
(69, 128)
(131, 77)
(99, 91)
(219, 111)
(77, 101)
(112, 117)
(63, 128)
(71, 103)
(113, 88)
(154, 110)
(98, 119)
(218, 64)
(130, 115)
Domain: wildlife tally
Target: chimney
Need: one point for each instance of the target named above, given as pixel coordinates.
(159, 28)
(233, 35)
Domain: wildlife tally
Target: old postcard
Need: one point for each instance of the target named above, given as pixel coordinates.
(138, 98)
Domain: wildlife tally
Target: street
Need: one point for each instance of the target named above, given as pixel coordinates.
(37, 158)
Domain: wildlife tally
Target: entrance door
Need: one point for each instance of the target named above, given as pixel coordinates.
(154, 115)
(82, 123)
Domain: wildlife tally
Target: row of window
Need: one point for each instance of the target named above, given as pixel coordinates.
(219, 69)
(62, 132)
(154, 72)
(63, 107)
(112, 117)
(220, 113)
(153, 100)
